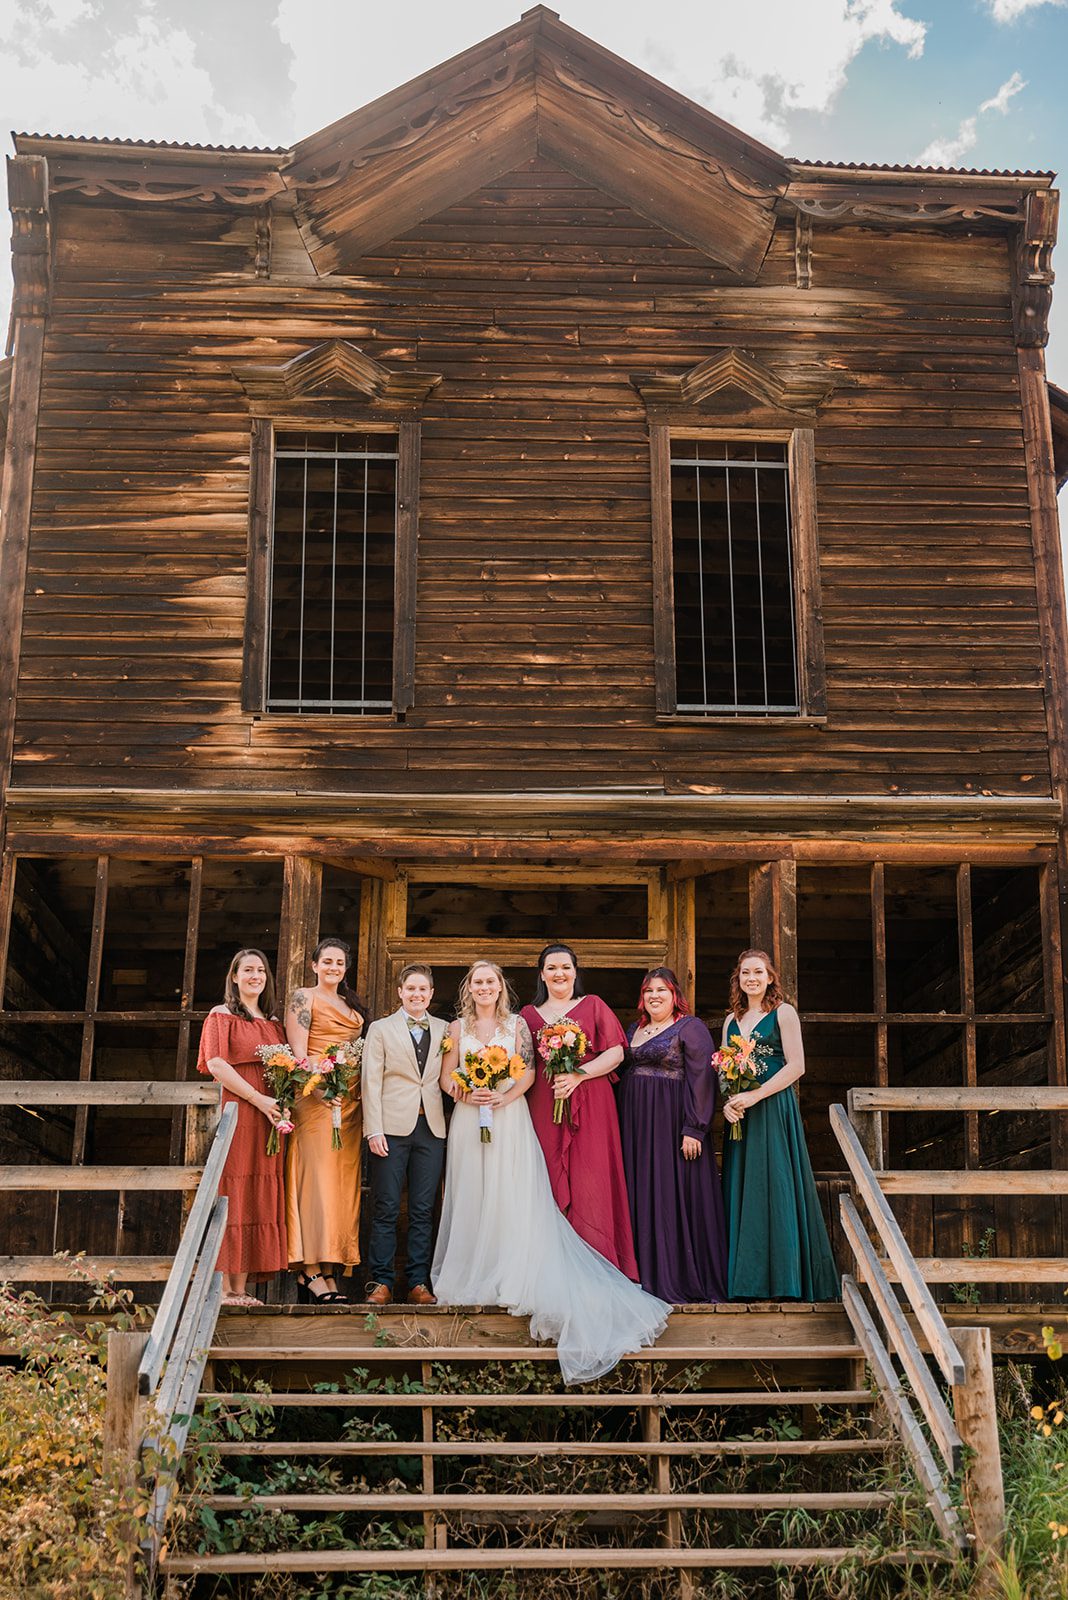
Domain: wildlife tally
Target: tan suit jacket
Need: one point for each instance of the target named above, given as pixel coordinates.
(391, 1086)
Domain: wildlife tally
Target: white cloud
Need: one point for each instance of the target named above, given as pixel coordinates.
(1012, 10)
(79, 66)
(1000, 101)
(950, 152)
(758, 62)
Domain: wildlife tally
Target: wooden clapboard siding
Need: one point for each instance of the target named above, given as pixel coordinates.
(536, 298)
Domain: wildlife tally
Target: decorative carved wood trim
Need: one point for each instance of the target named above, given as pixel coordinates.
(1032, 291)
(262, 259)
(659, 135)
(803, 250)
(27, 192)
(328, 370)
(911, 211)
(5, 397)
(163, 187)
(793, 391)
(408, 131)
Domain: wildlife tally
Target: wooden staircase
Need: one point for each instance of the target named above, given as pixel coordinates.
(428, 1447)
(748, 1438)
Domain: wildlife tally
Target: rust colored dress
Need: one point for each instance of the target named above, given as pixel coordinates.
(585, 1160)
(323, 1184)
(255, 1237)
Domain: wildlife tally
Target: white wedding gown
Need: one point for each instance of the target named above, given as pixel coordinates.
(503, 1242)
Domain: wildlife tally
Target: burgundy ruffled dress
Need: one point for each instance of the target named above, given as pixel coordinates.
(585, 1159)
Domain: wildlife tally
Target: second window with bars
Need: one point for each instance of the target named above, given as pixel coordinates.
(333, 559)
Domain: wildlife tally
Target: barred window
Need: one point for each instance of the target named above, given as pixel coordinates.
(735, 625)
(333, 558)
(736, 611)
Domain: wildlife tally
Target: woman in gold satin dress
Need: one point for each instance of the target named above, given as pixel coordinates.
(323, 1184)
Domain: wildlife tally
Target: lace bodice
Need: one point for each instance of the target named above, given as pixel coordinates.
(661, 1056)
(505, 1036)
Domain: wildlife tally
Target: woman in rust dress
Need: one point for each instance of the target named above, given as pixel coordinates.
(582, 1151)
(323, 1184)
(254, 1244)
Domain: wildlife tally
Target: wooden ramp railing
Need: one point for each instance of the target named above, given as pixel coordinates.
(201, 1100)
(154, 1378)
(962, 1357)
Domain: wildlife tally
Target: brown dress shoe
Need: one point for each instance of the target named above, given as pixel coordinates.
(379, 1294)
(419, 1295)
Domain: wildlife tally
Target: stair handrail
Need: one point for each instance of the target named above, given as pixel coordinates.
(173, 1360)
(962, 1357)
(896, 1246)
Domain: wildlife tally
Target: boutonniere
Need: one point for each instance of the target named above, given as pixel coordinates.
(447, 1044)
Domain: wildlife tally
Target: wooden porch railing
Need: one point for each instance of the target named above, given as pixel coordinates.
(201, 1100)
(962, 1357)
(868, 1111)
(154, 1378)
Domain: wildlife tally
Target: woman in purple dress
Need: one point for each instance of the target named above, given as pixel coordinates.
(666, 1101)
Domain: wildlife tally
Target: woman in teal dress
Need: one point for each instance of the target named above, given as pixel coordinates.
(778, 1247)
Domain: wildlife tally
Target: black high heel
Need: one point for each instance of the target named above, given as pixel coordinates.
(306, 1294)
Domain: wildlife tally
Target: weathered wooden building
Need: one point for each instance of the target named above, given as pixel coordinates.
(530, 507)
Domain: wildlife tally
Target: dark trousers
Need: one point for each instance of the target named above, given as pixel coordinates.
(419, 1157)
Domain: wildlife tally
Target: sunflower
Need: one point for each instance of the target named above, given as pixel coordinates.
(516, 1067)
(456, 1078)
(480, 1075)
(313, 1083)
(495, 1056)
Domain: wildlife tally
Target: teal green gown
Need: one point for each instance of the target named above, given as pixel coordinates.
(777, 1244)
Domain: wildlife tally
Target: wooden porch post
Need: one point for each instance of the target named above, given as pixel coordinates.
(975, 1410)
(299, 929)
(773, 916)
(124, 1423)
(682, 934)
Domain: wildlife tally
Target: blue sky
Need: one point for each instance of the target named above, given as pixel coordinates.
(965, 82)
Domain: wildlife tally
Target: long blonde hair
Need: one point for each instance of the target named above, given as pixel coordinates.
(465, 1000)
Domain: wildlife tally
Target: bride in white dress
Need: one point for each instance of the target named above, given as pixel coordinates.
(502, 1240)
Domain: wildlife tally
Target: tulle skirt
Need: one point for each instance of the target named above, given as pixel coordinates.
(503, 1242)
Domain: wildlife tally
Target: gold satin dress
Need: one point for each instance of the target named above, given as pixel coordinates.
(323, 1184)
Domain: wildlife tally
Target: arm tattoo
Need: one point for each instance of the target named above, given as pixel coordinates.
(301, 1009)
(525, 1043)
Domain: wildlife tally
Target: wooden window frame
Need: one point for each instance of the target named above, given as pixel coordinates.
(808, 610)
(260, 545)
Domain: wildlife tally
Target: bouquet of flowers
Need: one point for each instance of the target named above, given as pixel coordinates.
(337, 1074)
(486, 1069)
(739, 1067)
(562, 1045)
(283, 1074)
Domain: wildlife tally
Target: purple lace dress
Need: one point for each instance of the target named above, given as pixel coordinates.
(676, 1206)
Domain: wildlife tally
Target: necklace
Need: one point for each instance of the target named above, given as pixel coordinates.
(651, 1029)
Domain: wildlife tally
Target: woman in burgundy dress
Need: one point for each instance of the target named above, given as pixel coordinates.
(254, 1244)
(582, 1151)
(666, 1102)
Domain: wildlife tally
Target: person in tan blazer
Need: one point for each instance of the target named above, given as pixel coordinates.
(405, 1124)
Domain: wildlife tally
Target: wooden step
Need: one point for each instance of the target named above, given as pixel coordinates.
(359, 1354)
(987, 1269)
(846, 1500)
(41, 1176)
(542, 1447)
(604, 1558)
(50, 1269)
(506, 1402)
